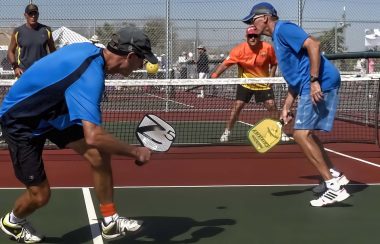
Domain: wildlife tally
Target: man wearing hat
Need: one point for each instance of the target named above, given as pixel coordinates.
(254, 58)
(316, 81)
(202, 66)
(58, 98)
(29, 42)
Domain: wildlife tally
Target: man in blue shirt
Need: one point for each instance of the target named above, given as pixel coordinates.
(58, 98)
(316, 81)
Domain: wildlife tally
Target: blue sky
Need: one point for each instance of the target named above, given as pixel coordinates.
(219, 13)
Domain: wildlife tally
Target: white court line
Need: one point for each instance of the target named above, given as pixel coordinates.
(165, 99)
(244, 123)
(338, 153)
(92, 218)
(354, 158)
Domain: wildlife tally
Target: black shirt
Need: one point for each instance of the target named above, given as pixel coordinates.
(31, 44)
(202, 63)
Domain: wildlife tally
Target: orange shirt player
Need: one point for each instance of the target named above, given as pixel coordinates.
(254, 58)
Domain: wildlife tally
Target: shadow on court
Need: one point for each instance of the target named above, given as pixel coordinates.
(158, 229)
(155, 230)
(80, 235)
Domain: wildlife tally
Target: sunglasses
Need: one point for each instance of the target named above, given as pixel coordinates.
(33, 14)
(249, 36)
(254, 19)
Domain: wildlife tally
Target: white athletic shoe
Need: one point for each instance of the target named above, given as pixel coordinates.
(330, 197)
(120, 227)
(341, 179)
(225, 135)
(201, 94)
(22, 232)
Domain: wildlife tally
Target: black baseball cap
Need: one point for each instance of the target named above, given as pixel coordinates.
(260, 9)
(31, 8)
(130, 39)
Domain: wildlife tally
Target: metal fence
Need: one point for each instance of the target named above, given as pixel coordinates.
(177, 26)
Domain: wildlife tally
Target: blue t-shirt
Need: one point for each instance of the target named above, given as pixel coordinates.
(294, 63)
(57, 91)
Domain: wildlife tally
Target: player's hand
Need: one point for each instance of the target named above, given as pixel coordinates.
(18, 72)
(286, 116)
(316, 93)
(142, 155)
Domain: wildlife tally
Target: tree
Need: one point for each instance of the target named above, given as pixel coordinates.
(333, 40)
(156, 30)
(104, 33)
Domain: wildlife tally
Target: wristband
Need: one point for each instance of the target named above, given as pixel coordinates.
(313, 79)
(14, 66)
(214, 75)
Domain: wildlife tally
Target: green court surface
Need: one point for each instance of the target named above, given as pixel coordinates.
(215, 215)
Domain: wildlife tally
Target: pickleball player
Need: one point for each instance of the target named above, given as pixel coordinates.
(316, 82)
(58, 98)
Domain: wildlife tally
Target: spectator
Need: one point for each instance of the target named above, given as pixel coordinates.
(182, 65)
(163, 61)
(371, 62)
(371, 65)
(361, 66)
(31, 40)
(202, 66)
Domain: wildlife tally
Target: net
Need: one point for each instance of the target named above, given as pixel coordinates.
(198, 109)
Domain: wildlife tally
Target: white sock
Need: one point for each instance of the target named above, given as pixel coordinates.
(332, 184)
(109, 219)
(334, 173)
(14, 219)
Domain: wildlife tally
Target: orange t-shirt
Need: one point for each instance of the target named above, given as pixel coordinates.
(252, 63)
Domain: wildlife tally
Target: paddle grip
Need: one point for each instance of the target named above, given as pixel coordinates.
(290, 114)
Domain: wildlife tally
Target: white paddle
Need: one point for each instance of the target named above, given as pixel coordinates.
(155, 134)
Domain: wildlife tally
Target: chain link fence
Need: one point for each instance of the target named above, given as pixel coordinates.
(177, 27)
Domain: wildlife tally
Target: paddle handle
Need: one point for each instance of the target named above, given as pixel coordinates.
(290, 114)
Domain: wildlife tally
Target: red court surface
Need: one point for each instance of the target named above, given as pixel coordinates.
(211, 215)
(193, 166)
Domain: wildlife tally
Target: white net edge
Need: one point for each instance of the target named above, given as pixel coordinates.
(206, 82)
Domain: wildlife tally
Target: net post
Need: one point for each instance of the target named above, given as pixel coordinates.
(377, 115)
(167, 99)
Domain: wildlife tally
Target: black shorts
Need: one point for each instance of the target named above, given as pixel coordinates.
(245, 94)
(26, 153)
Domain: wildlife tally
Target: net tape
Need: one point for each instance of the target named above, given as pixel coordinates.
(206, 82)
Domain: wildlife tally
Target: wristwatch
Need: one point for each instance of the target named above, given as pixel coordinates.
(314, 79)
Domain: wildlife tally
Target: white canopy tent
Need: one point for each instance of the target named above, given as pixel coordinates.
(372, 38)
(64, 36)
